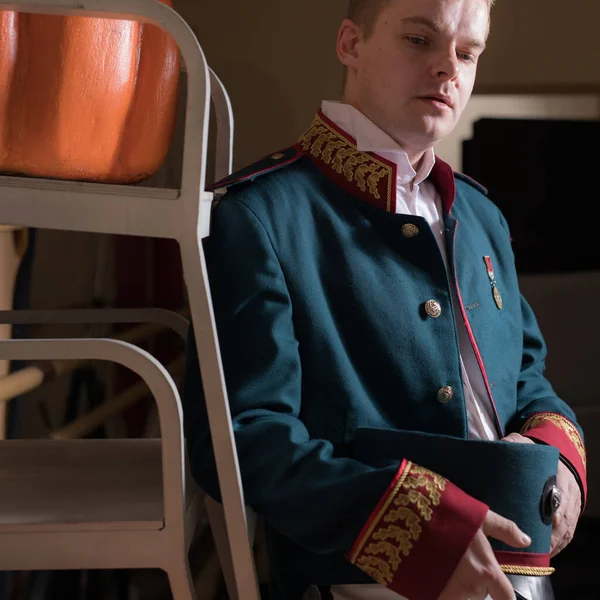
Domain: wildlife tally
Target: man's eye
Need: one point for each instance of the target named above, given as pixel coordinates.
(417, 41)
(466, 57)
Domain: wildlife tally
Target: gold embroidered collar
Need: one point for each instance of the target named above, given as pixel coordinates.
(366, 175)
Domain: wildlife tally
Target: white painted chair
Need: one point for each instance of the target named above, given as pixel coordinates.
(92, 504)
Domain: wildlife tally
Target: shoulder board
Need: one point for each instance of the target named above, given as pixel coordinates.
(268, 164)
(471, 182)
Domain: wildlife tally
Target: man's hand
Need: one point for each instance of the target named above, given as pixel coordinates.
(567, 516)
(478, 574)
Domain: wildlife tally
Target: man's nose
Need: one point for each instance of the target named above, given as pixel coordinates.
(447, 66)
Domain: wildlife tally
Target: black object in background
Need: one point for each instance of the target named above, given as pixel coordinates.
(541, 173)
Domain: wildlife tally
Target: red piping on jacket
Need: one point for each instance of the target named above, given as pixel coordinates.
(472, 337)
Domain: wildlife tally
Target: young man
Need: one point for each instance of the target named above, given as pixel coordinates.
(377, 351)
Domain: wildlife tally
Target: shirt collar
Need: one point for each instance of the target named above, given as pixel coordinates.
(371, 138)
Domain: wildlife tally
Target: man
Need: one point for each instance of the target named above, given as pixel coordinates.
(379, 356)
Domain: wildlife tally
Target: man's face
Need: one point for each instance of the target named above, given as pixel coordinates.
(414, 75)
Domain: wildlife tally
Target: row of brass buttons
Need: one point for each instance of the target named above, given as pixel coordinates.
(432, 307)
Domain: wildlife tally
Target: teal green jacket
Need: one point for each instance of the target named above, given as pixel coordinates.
(346, 394)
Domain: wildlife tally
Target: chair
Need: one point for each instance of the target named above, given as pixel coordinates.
(13, 246)
(88, 504)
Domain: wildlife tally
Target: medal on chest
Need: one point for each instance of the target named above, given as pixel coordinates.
(495, 291)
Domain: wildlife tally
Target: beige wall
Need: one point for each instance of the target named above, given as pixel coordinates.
(543, 42)
(277, 58)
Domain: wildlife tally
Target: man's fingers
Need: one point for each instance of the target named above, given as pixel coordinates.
(557, 520)
(561, 541)
(560, 527)
(499, 587)
(517, 438)
(554, 543)
(564, 525)
(505, 531)
(561, 535)
(481, 593)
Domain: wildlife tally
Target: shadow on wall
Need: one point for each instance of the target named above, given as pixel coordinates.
(565, 306)
(277, 61)
(256, 131)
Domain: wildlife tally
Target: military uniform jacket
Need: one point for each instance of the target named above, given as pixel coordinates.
(322, 297)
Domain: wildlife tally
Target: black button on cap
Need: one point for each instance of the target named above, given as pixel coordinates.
(550, 500)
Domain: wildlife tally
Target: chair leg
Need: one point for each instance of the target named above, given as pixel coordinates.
(216, 519)
(240, 547)
(181, 581)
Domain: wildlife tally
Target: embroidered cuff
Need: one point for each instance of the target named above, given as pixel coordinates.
(421, 516)
(557, 431)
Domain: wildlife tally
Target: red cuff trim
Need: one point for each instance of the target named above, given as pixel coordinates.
(420, 516)
(557, 431)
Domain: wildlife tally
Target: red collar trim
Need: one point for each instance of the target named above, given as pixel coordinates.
(363, 174)
(366, 175)
(442, 177)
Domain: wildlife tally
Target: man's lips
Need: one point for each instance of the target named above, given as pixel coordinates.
(438, 100)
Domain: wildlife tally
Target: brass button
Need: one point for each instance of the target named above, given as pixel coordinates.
(410, 230)
(433, 308)
(278, 156)
(445, 394)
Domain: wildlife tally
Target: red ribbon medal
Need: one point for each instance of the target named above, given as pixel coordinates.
(495, 291)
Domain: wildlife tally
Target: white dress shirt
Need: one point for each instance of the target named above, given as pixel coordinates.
(416, 195)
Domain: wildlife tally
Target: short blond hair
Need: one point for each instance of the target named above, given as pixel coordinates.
(366, 12)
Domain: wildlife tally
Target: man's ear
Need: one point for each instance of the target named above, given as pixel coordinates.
(349, 38)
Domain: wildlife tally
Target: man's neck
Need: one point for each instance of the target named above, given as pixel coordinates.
(415, 156)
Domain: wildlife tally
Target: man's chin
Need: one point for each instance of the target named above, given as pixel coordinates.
(434, 131)
(423, 132)
(427, 138)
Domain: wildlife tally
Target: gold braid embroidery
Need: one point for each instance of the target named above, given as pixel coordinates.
(376, 568)
(340, 162)
(535, 571)
(326, 144)
(400, 523)
(563, 424)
